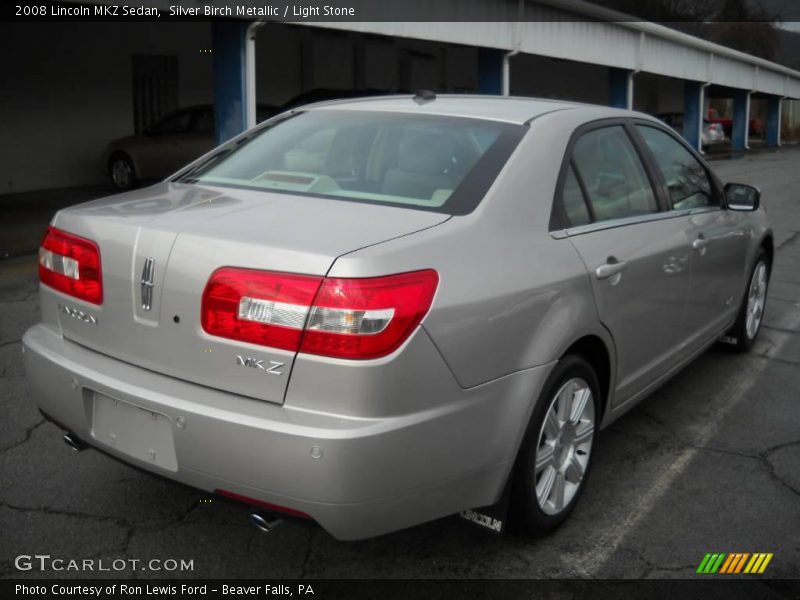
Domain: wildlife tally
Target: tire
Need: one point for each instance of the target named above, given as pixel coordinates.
(745, 330)
(568, 442)
(120, 168)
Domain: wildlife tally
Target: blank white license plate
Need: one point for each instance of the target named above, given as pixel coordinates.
(134, 431)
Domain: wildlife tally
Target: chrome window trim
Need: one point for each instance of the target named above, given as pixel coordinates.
(615, 223)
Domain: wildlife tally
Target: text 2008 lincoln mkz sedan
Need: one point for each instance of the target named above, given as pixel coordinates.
(376, 313)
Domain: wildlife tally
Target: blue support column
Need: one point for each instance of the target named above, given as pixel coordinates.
(490, 71)
(229, 45)
(693, 105)
(741, 120)
(774, 121)
(619, 88)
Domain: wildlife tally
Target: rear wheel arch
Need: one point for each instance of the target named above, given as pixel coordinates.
(527, 499)
(768, 244)
(594, 350)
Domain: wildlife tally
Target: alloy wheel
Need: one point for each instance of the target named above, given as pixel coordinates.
(756, 299)
(121, 173)
(565, 441)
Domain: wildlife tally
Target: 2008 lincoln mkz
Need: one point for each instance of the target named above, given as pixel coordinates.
(374, 313)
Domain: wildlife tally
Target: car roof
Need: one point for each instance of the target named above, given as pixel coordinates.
(510, 109)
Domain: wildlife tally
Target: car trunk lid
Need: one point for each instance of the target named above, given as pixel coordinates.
(160, 245)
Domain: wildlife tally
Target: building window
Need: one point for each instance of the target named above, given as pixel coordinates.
(155, 88)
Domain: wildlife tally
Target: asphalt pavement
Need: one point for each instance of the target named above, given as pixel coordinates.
(709, 463)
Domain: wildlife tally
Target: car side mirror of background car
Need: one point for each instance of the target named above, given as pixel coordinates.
(740, 196)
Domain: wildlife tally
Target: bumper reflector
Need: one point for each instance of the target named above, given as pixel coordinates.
(260, 503)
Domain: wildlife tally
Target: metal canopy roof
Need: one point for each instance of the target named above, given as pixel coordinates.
(579, 31)
(566, 29)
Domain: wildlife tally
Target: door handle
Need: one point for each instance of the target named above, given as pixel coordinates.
(610, 269)
(699, 243)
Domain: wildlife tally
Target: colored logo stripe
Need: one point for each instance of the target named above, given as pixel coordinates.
(711, 563)
(729, 562)
(734, 562)
(758, 563)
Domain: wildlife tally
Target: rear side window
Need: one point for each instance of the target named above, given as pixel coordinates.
(574, 202)
(613, 175)
(687, 180)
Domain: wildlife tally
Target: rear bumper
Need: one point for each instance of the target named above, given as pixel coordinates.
(357, 477)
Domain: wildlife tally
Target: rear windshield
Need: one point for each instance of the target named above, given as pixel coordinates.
(434, 163)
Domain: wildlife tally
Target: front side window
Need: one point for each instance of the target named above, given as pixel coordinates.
(613, 175)
(443, 164)
(687, 180)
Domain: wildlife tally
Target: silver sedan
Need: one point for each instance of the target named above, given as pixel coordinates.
(374, 313)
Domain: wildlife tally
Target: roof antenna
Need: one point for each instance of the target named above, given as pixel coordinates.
(423, 96)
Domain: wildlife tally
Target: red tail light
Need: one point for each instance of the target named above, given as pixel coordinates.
(71, 264)
(344, 318)
(260, 307)
(367, 318)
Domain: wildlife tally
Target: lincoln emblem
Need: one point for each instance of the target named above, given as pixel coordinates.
(147, 283)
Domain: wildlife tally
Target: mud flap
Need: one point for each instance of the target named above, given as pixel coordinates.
(493, 518)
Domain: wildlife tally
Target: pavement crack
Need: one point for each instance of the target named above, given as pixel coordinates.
(192, 507)
(724, 451)
(778, 359)
(762, 458)
(172, 520)
(128, 536)
(125, 547)
(10, 342)
(65, 513)
(781, 329)
(654, 419)
(307, 557)
(788, 241)
(662, 424)
(781, 446)
(28, 433)
(28, 297)
(651, 567)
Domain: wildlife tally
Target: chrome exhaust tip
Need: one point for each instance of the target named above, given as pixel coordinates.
(74, 443)
(264, 523)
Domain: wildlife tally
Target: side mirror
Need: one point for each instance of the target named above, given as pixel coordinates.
(743, 197)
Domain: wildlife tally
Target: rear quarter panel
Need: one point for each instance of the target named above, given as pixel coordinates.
(511, 296)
